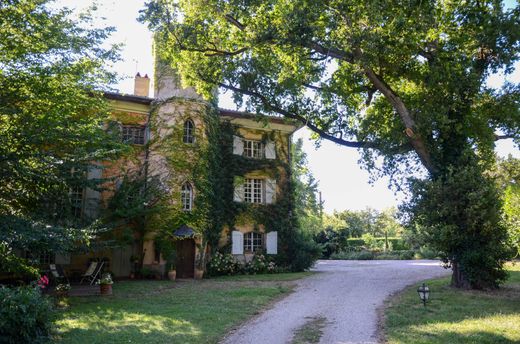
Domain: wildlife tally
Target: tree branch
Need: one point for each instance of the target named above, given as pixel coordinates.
(396, 102)
(299, 118)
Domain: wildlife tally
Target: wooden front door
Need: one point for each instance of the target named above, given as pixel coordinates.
(185, 258)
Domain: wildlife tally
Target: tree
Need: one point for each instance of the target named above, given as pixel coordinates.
(405, 81)
(52, 112)
(508, 178)
(309, 209)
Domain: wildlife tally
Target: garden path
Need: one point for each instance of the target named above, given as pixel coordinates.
(346, 293)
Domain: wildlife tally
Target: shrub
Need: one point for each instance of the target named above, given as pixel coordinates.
(361, 255)
(406, 254)
(259, 264)
(223, 264)
(25, 316)
(426, 253)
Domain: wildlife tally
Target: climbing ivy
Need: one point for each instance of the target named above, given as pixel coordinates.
(211, 167)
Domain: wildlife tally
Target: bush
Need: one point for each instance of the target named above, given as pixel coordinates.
(394, 243)
(406, 254)
(426, 253)
(223, 264)
(259, 265)
(25, 316)
(346, 255)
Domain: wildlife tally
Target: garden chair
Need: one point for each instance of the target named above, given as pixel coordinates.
(92, 272)
(57, 273)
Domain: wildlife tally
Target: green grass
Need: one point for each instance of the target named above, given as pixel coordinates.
(456, 316)
(169, 312)
(310, 332)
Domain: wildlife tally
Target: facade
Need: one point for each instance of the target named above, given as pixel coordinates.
(225, 173)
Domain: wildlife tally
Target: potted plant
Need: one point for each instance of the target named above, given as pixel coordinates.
(62, 290)
(105, 284)
(172, 272)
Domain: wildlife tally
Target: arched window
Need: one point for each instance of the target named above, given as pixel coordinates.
(253, 242)
(189, 132)
(187, 196)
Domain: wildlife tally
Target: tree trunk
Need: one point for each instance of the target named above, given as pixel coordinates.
(458, 279)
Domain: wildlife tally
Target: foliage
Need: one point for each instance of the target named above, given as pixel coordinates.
(507, 173)
(353, 255)
(105, 279)
(25, 316)
(404, 81)
(455, 316)
(308, 208)
(138, 198)
(461, 216)
(223, 264)
(62, 287)
(227, 264)
(52, 71)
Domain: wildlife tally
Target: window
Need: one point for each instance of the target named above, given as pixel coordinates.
(133, 134)
(76, 200)
(189, 132)
(187, 197)
(253, 242)
(253, 191)
(253, 149)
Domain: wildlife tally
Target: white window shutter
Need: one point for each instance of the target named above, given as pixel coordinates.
(272, 243)
(237, 239)
(238, 145)
(270, 151)
(238, 195)
(270, 191)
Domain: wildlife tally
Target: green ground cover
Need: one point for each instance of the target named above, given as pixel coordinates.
(456, 316)
(170, 312)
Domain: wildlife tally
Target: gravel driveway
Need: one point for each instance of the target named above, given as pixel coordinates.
(346, 293)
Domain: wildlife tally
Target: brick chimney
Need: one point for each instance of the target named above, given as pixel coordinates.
(142, 85)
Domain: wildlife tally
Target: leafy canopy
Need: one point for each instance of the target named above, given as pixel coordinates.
(52, 71)
(396, 75)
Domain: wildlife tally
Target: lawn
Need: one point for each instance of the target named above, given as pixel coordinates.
(170, 312)
(455, 316)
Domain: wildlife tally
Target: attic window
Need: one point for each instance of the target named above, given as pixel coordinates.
(133, 134)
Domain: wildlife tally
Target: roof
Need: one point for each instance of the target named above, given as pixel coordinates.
(128, 97)
(184, 232)
(222, 112)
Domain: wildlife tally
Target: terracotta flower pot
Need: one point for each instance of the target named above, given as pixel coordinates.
(198, 274)
(172, 274)
(105, 289)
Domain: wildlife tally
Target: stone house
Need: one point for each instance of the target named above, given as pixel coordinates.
(168, 132)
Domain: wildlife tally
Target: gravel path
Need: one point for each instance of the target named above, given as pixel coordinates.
(346, 293)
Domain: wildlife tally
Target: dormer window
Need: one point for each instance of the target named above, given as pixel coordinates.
(189, 132)
(253, 149)
(133, 134)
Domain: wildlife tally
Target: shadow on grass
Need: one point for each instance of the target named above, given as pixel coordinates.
(456, 316)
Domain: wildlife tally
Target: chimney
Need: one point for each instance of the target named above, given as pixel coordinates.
(142, 85)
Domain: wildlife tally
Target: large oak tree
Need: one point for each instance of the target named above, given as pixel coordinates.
(405, 81)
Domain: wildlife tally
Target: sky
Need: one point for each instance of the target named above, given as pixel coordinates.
(343, 184)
